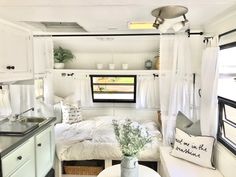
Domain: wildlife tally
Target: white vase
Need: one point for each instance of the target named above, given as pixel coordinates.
(59, 65)
(125, 66)
(129, 166)
(99, 66)
(111, 66)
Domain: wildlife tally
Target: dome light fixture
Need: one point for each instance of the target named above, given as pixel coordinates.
(170, 12)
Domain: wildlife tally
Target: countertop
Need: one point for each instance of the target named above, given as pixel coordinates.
(8, 143)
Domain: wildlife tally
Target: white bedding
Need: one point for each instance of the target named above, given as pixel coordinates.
(95, 139)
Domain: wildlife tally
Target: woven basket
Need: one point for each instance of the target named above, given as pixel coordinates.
(82, 170)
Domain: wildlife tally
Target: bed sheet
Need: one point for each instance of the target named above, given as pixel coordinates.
(95, 139)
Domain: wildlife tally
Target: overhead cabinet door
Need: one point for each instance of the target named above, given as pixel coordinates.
(15, 52)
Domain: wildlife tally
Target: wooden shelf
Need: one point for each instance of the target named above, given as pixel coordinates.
(96, 71)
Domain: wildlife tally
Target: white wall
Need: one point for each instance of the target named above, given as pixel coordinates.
(135, 61)
(133, 51)
(225, 22)
(225, 160)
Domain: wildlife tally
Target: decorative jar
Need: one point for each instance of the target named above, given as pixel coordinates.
(129, 166)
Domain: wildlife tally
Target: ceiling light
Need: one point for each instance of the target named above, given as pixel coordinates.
(158, 22)
(169, 12)
(140, 25)
(179, 25)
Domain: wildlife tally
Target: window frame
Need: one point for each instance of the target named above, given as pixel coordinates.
(221, 105)
(113, 100)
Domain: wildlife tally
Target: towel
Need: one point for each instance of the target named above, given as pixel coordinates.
(5, 107)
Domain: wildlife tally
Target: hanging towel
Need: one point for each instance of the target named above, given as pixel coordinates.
(22, 98)
(5, 107)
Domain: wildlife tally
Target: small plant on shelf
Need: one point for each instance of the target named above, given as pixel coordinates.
(61, 56)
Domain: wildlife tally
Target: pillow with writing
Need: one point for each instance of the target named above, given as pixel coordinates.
(196, 149)
(70, 113)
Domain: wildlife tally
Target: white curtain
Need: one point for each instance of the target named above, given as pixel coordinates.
(147, 92)
(175, 81)
(22, 98)
(48, 89)
(5, 107)
(83, 91)
(209, 82)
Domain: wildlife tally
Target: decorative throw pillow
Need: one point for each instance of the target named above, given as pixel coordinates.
(183, 123)
(194, 129)
(195, 149)
(70, 113)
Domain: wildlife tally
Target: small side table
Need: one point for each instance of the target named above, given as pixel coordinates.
(114, 171)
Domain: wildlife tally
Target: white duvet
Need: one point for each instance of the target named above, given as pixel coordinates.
(95, 139)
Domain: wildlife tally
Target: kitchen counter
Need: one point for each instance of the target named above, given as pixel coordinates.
(8, 143)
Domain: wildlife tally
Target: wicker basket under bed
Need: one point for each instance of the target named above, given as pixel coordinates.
(82, 170)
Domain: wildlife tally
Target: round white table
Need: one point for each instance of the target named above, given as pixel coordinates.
(114, 171)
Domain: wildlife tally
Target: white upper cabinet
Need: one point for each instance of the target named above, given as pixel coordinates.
(43, 54)
(16, 57)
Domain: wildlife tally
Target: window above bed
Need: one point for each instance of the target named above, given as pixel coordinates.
(113, 88)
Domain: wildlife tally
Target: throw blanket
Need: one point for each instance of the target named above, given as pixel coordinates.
(95, 131)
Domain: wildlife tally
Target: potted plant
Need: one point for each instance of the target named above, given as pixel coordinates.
(61, 56)
(132, 138)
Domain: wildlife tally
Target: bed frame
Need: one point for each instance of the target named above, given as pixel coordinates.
(132, 113)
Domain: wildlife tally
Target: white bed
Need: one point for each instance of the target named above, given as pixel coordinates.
(94, 139)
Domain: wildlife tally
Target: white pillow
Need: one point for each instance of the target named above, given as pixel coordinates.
(72, 99)
(196, 149)
(70, 113)
(57, 99)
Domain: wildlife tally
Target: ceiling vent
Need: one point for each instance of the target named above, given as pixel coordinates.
(57, 26)
(63, 26)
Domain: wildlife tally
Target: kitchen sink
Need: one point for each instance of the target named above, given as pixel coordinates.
(38, 120)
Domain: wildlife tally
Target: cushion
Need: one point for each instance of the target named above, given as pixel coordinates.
(182, 122)
(195, 149)
(194, 129)
(72, 99)
(70, 113)
(57, 99)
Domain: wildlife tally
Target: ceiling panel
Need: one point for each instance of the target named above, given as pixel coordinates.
(109, 15)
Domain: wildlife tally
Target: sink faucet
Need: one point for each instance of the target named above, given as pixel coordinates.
(18, 115)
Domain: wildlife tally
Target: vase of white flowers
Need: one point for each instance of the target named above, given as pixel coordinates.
(132, 138)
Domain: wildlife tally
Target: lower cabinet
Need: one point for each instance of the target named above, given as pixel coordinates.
(21, 161)
(44, 151)
(33, 158)
(27, 169)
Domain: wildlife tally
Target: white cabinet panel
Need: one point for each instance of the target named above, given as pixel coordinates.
(18, 157)
(26, 170)
(43, 54)
(44, 152)
(15, 52)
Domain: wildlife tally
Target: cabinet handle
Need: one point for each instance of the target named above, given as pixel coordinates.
(39, 145)
(10, 67)
(19, 157)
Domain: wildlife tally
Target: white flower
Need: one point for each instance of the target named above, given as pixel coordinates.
(131, 136)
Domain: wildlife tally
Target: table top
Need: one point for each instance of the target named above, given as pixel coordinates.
(114, 171)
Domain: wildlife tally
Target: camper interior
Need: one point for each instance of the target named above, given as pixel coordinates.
(117, 88)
